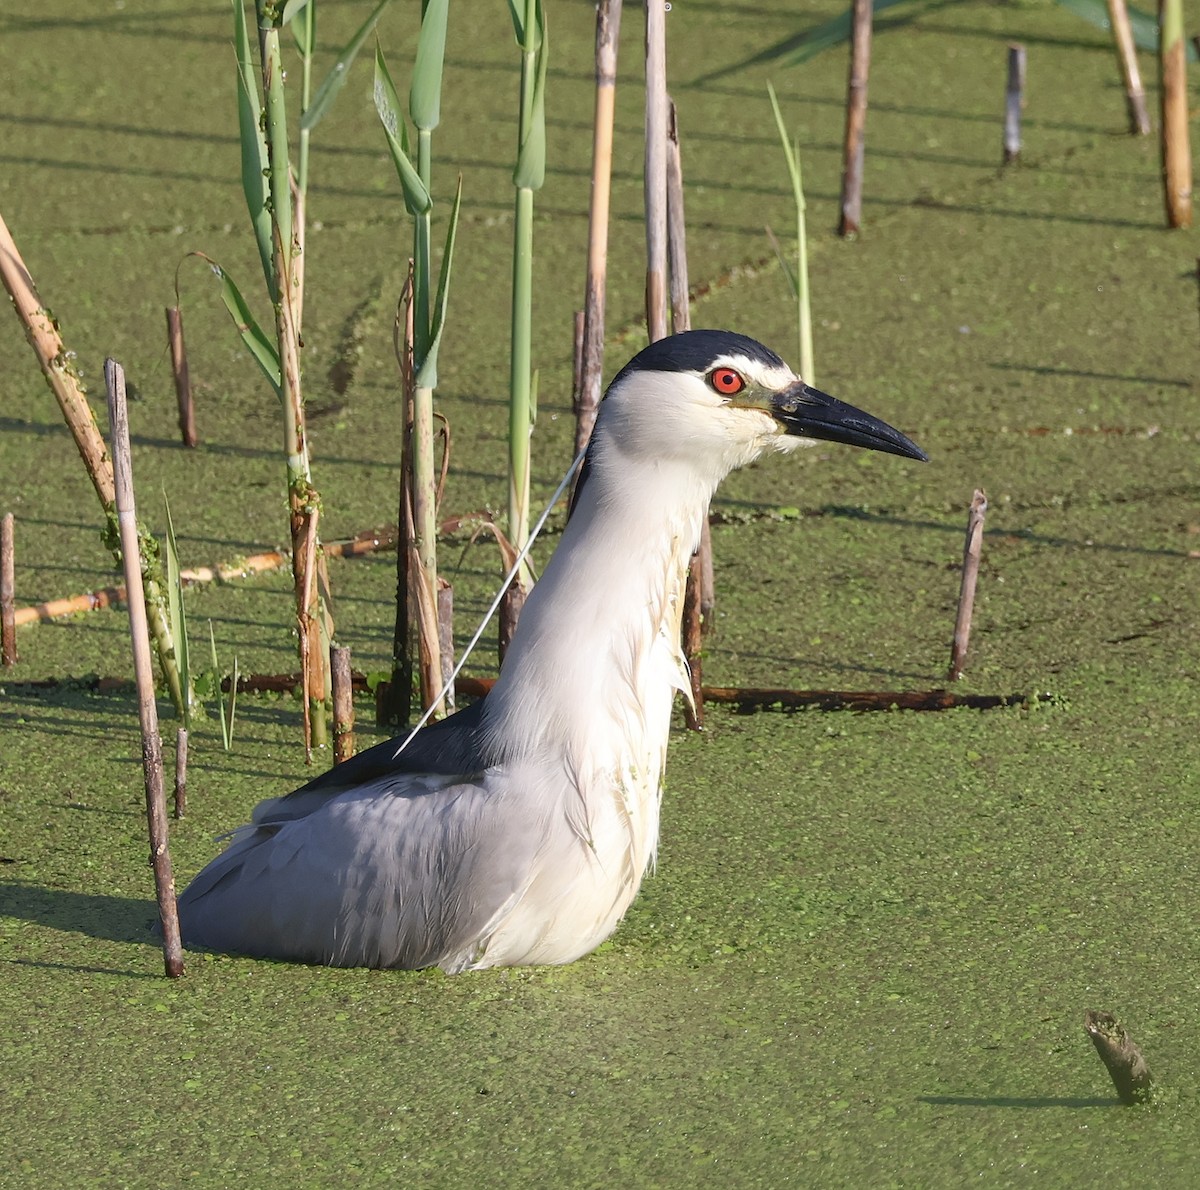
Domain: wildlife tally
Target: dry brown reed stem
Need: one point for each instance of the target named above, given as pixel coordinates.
(181, 763)
(152, 765)
(587, 391)
(681, 320)
(856, 119)
(183, 383)
(1121, 1057)
(681, 311)
(445, 618)
(422, 579)
(343, 703)
(225, 572)
(970, 575)
(57, 366)
(577, 363)
(8, 616)
(1176, 147)
(308, 664)
(656, 170)
(1014, 101)
(1135, 94)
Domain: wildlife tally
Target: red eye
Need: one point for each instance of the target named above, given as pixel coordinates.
(726, 381)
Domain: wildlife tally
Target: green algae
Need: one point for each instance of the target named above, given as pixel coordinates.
(866, 954)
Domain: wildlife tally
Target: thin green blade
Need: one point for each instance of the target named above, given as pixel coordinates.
(427, 375)
(292, 9)
(254, 145)
(212, 641)
(304, 30)
(425, 95)
(530, 171)
(339, 72)
(252, 334)
(416, 196)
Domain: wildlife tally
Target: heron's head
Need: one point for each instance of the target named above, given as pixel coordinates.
(721, 400)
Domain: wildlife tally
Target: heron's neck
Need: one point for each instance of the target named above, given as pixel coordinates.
(596, 655)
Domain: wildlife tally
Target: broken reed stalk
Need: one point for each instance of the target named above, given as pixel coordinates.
(656, 170)
(445, 623)
(343, 703)
(856, 119)
(287, 277)
(152, 765)
(1176, 148)
(181, 762)
(183, 383)
(588, 390)
(577, 357)
(58, 367)
(677, 270)
(681, 320)
(1014, 101)
(1121, 1057)
(970, 575)
(1135, 94)
(8, 613)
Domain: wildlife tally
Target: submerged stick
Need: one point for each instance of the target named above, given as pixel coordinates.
(747, 699)
(8, 615)
(1014, 101)
(970, 575)
(587, 393)
(856, 119)
(183, 383)
(152, 765)
(1135, 94)
(343, 703)
(181, 761)
(1123, 1060)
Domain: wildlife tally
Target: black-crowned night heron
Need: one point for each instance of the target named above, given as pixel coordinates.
(518, 830)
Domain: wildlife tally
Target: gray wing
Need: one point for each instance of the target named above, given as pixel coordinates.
(383, 861)
(411, 871)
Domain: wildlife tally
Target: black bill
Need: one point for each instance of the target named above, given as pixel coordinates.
(810, 413)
